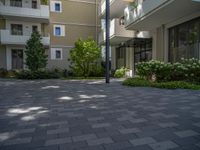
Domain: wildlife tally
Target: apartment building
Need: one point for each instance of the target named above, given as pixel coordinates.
(174, 26)
(126, 45)
(60, 22)
(18, 19)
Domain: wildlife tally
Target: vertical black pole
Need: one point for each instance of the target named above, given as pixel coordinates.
(107, 41)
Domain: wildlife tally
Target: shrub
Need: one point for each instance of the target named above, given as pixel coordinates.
(40, 74)
(139, 82)
(3, 73)
(185, 70)
(83, 55)
(97, 70)
(120, 73)
(154, 70)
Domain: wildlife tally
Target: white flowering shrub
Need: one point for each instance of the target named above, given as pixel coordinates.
(185, 70)
(120, 73)
(154, 70)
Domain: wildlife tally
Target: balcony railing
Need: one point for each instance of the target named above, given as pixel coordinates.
(145, 7)
(6, 38)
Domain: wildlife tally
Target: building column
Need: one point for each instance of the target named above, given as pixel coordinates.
(8, 59)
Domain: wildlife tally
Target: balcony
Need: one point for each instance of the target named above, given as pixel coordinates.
(40, 14)
(118, 33)
(116, 8)
(7, 39)
(150, 14)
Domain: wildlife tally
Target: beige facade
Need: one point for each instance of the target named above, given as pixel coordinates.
(77, 19)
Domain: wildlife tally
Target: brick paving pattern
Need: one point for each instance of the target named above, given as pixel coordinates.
(90, 115)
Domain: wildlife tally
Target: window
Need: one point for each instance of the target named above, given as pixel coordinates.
(34, 4)
(56, 6)
(142, 50)
(34, 28)
(184, 41)
(59, 30)
(56, 53)
(16, 3)
(16, 29)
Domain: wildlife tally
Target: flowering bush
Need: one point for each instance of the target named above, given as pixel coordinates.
(120, 73)
(185, 70)
(154, 70)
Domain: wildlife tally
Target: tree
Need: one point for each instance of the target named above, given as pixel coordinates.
(84, 55)
(35, 53)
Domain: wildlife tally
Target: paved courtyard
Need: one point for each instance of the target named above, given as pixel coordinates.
(89, 115)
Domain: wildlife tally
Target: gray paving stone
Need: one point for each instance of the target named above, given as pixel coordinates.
(140, 120)
(186, 133)
(130, 130)
(95, 118)
(197, 124)
(101, 125)
(18, 141)
(58, 141)
(84, 137)
(57, 131)
(168, 125)
(143, 141)
(166, 145)
(198, 144)
(99, 141)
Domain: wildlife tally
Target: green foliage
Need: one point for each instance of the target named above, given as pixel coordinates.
(3, 73)
(44, 2)
(39, 74)
(35, 53)
(139, 82)
(83, 56)
(97, 70)
(186, 70)
(120, 73)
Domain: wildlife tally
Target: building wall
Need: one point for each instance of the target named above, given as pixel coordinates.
(80, 20)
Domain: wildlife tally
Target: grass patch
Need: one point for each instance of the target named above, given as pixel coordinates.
(138, 82)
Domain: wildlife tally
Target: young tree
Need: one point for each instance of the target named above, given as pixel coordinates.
(35, 53)
(83, 55)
